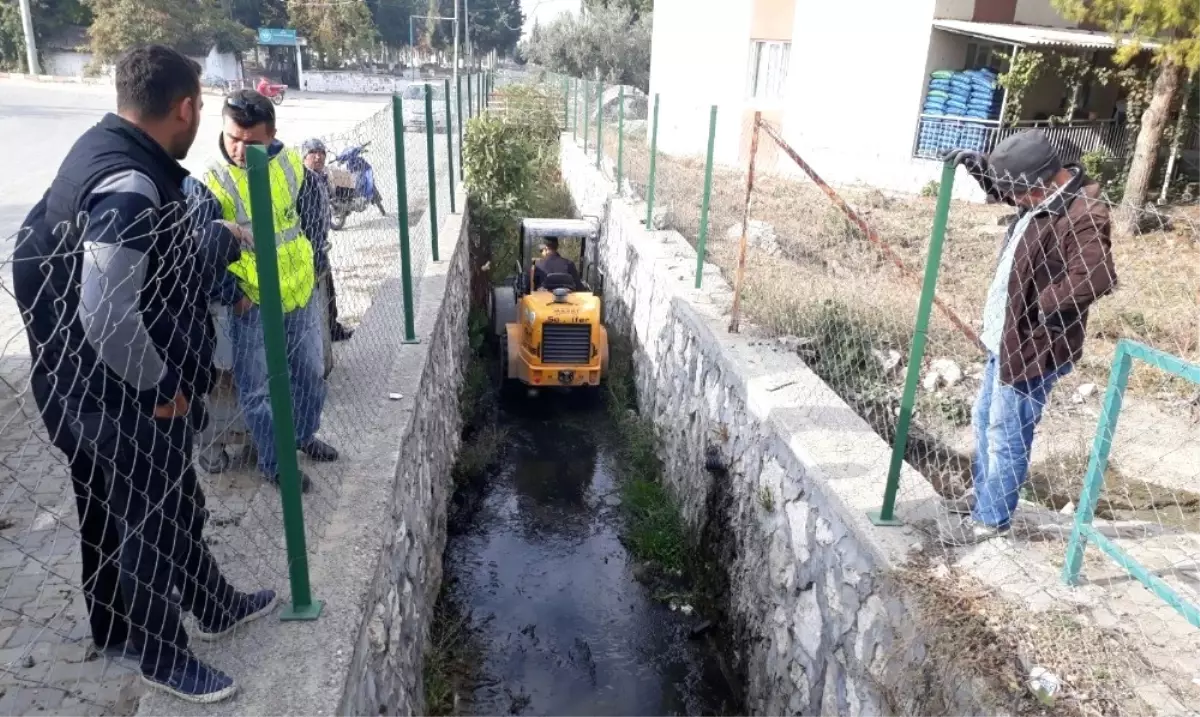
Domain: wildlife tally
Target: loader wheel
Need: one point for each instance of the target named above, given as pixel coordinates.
(508, 386)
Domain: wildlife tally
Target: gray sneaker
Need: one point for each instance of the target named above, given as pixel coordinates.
(964, 530)
(962, 505)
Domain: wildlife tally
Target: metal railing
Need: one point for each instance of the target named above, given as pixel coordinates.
(936, 134)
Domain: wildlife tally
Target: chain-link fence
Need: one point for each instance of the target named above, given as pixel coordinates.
(145, 498)
(1002, 385)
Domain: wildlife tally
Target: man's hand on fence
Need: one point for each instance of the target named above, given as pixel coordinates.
(244, 236)
(243, 305)
(177, 407)
(976, 164)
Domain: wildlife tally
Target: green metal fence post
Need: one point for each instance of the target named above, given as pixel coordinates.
(620, 135)
(410, 331)
(1098, 462)
(653, 167)
(431, 161)
(566, 102)
(702, 238)
(461, 119)
(303, 606)
(470, 98)
(450, 147)
(575, 109)
(587, 113)
(599, 122)
(886, 514)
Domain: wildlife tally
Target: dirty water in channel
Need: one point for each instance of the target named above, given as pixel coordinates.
(562, 625)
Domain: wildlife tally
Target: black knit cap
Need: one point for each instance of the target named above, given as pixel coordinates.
(1022, 162)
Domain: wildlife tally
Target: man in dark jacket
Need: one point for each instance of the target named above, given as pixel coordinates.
(109, 275)
(314, 160)
(553, 263)
(1055, 262)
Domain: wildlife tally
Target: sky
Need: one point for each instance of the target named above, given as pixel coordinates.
(544, 11)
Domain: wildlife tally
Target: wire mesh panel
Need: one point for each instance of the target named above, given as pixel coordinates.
(96, 485)
(1004, 394)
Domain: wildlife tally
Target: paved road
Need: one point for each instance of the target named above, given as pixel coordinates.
(44, 663)
(39, 122)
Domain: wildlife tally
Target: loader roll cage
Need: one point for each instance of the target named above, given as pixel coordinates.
(533, 231)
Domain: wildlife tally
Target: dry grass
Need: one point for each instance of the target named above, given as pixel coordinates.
(822, 257)
(971, 633)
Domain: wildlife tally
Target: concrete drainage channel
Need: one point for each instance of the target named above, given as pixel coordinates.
(545, 609)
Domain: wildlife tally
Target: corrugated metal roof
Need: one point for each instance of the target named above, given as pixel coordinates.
(1033, 34)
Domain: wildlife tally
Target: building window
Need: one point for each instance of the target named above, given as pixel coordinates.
(988, 54)
(768, 69)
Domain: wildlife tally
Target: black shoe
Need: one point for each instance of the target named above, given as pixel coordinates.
(318, 450)
(249, 608)
(340, 333)
(306, 483)
(193, 681)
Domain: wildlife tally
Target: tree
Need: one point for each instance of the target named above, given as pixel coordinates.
(391, 19)
(192, 27)
(258, 13)
(608, 43)
(637, 8)
(1175, 25)
(337, 31)
(496, 25)
(50, 17)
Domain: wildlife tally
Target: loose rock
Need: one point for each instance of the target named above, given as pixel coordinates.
(759, 235)
(949, 371)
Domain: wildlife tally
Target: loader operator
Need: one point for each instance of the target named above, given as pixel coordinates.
(554, 263)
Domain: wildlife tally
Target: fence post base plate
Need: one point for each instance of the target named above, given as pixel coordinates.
(877, 519)
(291, 613)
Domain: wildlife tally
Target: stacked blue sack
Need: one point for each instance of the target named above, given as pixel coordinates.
(938, 93)
(954, 104)
(983, 96)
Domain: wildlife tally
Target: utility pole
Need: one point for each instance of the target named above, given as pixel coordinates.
(454, 81)
(30, 44)
(467, 29)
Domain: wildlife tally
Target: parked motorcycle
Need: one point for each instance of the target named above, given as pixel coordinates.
(352, 180)
(273, 91)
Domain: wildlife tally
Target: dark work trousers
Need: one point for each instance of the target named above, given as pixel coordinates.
(333, 301)
(331, 313)
(99, 532)
(154, 492)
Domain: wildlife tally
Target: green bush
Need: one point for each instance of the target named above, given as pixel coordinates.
(510, 169)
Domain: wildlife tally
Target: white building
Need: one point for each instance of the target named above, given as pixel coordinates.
(69, 55)
(846, 81)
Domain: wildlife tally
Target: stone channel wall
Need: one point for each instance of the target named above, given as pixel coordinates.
(820, 625)
(386, 663)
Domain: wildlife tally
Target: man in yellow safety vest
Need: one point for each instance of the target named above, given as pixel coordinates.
(299, 209)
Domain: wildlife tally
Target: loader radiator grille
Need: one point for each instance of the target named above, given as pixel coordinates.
(566, 343)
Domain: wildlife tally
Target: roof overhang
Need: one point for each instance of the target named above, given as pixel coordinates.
(1036, 35)
(561, 228)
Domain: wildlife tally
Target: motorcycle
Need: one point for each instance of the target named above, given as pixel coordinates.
(272, 91)
(352, 179)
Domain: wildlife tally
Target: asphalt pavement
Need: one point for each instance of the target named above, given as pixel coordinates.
(40, 121)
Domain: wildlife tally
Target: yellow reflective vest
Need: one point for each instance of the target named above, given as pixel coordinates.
(297, 268)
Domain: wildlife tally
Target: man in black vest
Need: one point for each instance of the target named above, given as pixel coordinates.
(111, 277)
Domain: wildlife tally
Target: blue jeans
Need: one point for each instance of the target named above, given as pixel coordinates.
(305, 370)
(1004, 419)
